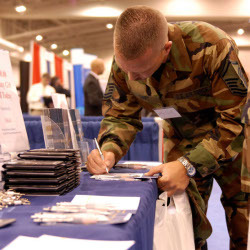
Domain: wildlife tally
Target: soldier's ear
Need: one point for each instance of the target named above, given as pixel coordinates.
(167, 46)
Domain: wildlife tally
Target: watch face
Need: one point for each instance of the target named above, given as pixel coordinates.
(191, 171)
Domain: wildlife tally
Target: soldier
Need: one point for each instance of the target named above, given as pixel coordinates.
(188, 70)
(245, 171)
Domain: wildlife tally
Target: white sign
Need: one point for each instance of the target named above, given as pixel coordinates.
(13, 135)
(167, 113)
(60, 101)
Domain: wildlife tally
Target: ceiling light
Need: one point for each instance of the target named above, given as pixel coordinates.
(20, 8)
(53, 46)
(240, 32)
(27, 57)
(109, 26)
(101, 12)
(184, 8)
(65, 52)
(11, 45)
(39, 38)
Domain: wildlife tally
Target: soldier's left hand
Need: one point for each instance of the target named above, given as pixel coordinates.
(174, 177)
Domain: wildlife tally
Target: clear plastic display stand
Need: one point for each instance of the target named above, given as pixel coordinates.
(53, 135)
(62, 129)
(56, 130)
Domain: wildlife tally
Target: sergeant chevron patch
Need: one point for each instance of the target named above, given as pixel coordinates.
(234, 78)
(109, 91)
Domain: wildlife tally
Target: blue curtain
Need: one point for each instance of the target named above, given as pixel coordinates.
(85, 73)
(144, 148)
(78, 78)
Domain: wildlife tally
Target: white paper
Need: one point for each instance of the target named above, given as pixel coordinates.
(55, 242)
(111, 202)
(167, 113)
(13, 135)
(145, 163)
(69, 243)
(24, 242)
(59, 101)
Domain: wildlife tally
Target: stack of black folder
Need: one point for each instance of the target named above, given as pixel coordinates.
(44, 171)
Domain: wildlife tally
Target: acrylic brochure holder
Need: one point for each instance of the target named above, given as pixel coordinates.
(53, 135)
(62, 129)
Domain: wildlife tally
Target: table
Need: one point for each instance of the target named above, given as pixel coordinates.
(139, 228)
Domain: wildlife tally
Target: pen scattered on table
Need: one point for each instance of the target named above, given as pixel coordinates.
(89, 209)
(97, 145)
(124, 177)
(12, 198)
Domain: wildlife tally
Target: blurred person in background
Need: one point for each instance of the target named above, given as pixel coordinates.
(39, 95)
(92, 90)
(57, 85)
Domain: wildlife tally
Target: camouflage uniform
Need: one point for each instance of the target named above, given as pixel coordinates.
(205, 82)
(245, 171)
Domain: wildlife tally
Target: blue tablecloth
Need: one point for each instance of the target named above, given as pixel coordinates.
(139, 227)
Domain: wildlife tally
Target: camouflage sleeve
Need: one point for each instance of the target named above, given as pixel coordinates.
(229, 89)
(245, 170)
(245, 118)
(122, 115)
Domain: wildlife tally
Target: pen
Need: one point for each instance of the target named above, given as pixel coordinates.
(97, 145)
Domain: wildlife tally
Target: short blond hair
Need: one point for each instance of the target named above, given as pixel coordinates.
(97, 64)
(139, 28)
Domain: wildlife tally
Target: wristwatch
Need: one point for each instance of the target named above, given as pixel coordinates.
(191, 171)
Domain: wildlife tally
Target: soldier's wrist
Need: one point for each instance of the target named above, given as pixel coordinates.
(191, 171)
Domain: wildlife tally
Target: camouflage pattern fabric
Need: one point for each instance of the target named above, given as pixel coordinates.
(205, 82)
(245, 171)
(233, 199)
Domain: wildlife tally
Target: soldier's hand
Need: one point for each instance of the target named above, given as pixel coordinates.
(174, 177)
(96, 165)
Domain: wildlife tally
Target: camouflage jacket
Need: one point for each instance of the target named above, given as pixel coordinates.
(204, 81)
(245, 170)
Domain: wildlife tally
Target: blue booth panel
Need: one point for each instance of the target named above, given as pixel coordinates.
(144, 148)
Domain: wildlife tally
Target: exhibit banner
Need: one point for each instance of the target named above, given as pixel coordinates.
(13, 135)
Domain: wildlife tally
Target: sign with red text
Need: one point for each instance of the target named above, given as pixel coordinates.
(13, 135)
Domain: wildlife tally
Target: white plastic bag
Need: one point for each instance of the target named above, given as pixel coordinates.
(248, 244)
(173, 229)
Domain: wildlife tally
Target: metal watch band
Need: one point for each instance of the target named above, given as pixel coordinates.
(189, 167)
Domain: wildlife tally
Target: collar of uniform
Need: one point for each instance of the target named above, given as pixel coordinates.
(179, 57)
(94, 75)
